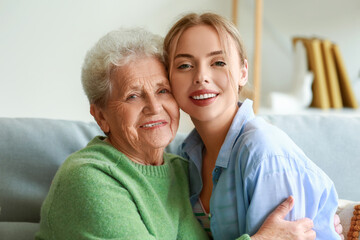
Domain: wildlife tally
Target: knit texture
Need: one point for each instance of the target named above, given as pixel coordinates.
(244, 237)
(98, 193)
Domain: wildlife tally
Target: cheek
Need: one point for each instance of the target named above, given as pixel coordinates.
(174, 113)
(178, 86)
(174, 80)
(127, 119)
(225, 82)
(130, 135)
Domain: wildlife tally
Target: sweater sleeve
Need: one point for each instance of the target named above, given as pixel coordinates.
(90, 204)
(244, 237)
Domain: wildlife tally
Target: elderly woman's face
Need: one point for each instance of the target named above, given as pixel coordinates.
(141, 112)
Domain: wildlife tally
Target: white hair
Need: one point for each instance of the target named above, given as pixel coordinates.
(116, 49)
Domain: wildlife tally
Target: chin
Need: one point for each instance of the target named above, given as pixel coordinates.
(203, 116)
(159, 142)
(158, 138)
(158, 146)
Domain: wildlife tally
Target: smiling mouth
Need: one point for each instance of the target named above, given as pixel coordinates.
(204, 96)
(150, 125)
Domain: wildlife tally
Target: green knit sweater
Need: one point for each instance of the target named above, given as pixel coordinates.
(98, 193)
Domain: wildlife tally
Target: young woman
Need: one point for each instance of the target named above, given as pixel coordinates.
(241, 167)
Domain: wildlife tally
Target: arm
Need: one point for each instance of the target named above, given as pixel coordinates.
(95, 206)
(278, 177)
(275, 227)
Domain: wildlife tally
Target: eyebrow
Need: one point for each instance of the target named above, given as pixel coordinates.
(186, 55)
(139, 87)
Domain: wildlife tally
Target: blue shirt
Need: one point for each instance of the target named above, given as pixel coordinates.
(257, 168)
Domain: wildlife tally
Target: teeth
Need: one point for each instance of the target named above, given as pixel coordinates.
(204, 96)
(151, 124)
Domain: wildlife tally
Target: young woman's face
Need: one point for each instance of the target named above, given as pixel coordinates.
(200, 77)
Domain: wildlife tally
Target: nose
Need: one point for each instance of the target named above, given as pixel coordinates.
(201, 76)
(152, 105)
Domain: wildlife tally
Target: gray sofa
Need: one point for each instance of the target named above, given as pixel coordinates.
(31, 150)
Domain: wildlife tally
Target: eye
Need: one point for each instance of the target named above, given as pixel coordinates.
(219, 63)
(184, 66)
(164, 91)
(131, 97)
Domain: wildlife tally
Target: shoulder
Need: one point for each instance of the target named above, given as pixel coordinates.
(82, 173)
(79, 178)
(176, 161)
(262, 145)
(93, 164)
(257, 130)
(263, 139)
(269, 150)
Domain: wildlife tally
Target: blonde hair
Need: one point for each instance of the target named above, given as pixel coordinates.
(223, 27)
(116, 49)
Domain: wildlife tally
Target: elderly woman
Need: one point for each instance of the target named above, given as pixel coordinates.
(123, 186)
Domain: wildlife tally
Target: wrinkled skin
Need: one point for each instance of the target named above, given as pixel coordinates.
(141, 116)
(275, 227)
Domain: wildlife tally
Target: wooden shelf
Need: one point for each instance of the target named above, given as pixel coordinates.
(257, 50)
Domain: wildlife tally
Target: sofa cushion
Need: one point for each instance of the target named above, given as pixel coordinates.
(31, 150)
(18, 230)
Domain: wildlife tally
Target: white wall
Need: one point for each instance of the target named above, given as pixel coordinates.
(338, 21)
(43, 43)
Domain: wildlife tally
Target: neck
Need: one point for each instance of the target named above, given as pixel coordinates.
(140, 155)
(213, 132)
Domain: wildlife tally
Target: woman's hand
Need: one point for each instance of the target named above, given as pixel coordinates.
(275, 227)
(338, 226)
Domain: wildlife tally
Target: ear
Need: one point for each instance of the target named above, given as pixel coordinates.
(99, 116)
(243, 74)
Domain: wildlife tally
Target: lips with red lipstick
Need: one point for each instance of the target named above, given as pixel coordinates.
(203, 97)
(153, 124)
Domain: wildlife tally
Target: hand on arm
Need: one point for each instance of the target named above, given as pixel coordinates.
(338, 226)
(275, 227)
(276, 179)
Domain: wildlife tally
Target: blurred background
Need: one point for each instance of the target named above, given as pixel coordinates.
(43, 44)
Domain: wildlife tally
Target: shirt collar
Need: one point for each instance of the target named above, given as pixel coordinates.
(193, 144)
(192, 147)
(243, 115)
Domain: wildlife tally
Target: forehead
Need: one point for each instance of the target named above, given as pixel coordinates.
(200, 35)
(147, 70)
(203, 40)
